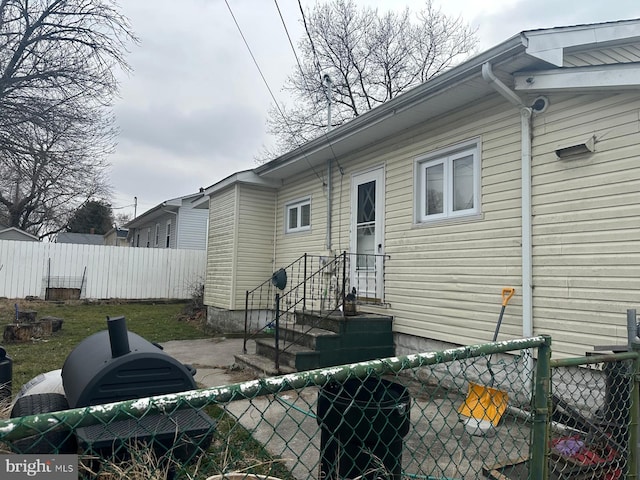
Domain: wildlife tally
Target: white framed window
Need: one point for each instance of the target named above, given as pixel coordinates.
(448, 183)
(298, 216)
(157, 234)
(168, 237)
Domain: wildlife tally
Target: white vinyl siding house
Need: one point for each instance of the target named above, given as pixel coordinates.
(174, 223)
(191, 225)
(459, 186)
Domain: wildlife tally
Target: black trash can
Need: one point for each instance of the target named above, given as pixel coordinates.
(6, 375)
(362, 424)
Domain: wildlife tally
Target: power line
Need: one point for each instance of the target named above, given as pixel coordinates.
(316, 62)
(267, 83)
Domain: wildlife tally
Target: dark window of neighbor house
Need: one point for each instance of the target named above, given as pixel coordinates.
(448, 183)
(157, 234)
(298, 216)
(168, 240)
(137, 240)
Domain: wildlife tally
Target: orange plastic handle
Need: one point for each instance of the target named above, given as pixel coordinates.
(507, 293)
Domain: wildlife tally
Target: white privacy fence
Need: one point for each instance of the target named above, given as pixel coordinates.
(100, 272)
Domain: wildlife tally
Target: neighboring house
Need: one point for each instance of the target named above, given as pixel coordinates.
(117, 237)
(518, 168)
(13, 233)
(80, 238)
(172, 224)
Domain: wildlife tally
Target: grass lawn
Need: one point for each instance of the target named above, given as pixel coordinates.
(232, 447)
(155, 322)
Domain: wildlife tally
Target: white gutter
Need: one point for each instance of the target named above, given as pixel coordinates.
(525, 145)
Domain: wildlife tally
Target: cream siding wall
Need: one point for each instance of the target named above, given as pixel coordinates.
(221, 249)
(442, 281)
(254, 256)
(291, 246)
(586, 224)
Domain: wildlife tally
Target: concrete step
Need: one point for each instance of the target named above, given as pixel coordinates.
(288, 352)
(263, 366)
(310, 337)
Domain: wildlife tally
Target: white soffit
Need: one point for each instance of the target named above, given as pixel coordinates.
(549, 45)
(601, 77)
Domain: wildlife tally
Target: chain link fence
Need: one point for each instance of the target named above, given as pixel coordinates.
(471, 412)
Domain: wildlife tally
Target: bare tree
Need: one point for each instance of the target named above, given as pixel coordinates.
(57, 81)
(370, 59)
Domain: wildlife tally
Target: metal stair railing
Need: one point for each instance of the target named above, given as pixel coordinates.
(315, 285)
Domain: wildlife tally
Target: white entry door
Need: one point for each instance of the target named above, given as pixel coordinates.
(367, 235)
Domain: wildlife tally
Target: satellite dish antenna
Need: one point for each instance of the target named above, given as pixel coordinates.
(279, 279)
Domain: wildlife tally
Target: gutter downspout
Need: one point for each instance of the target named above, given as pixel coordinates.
(327, 80)
(525, 145)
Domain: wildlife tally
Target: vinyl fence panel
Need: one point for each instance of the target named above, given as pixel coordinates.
(100, 272)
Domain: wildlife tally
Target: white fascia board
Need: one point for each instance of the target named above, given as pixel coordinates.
(549, 45)
(601, 77)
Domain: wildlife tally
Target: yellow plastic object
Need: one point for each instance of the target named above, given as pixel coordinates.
(484, 403)
(507, 293)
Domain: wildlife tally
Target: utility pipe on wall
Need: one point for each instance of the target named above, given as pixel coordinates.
(327, 80)
(525, 146)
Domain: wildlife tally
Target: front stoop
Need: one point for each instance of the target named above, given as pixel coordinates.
(316, 341)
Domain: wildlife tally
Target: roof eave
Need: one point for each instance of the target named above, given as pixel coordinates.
(438, 84)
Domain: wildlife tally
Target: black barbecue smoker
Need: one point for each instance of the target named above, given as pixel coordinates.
(111, 366)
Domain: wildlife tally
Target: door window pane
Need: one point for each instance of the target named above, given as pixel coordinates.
(367, 202)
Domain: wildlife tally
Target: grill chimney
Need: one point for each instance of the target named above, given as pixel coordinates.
(118, 336)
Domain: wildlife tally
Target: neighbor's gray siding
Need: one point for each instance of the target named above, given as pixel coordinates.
(221, 249)
(586, 221)
(192, 228)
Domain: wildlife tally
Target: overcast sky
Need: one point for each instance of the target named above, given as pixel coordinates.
(194, 109)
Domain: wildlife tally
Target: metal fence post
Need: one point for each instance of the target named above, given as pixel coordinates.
(539, 465)
(304, 285)
(634, 345)
(344, 277)
(277, 336)
(246, 322)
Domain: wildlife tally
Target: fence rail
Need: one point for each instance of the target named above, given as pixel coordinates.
(98, 272)
(395, 418)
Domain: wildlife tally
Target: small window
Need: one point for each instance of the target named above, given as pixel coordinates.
(157, 242)
(168, 240)
(298, 216)
(448, 184)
